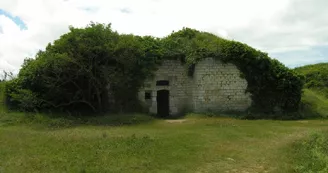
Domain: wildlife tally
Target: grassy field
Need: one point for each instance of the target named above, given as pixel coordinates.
(143, 144)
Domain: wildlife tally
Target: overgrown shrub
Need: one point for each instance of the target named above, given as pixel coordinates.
(97, 69)
(2, 96)
(90, 69)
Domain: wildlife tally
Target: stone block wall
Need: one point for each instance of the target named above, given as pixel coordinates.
(218, 87)
(214, 87)
(179, 84)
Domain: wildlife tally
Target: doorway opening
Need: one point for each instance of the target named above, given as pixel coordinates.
(163, 105)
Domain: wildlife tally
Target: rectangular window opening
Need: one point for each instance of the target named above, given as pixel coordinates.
(162, 83)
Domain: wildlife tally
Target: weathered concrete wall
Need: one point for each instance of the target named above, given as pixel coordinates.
(218, 87)
(214, 87)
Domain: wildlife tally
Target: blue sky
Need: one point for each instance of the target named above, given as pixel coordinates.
(312, 55)
(293, 31)
(18, 21)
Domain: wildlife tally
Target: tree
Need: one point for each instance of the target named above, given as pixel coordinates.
(89, 69)
(7, 76)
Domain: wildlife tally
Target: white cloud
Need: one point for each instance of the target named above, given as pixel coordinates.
(274, 26)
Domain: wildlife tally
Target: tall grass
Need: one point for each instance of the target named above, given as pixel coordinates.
(311, 155)
(63, 121)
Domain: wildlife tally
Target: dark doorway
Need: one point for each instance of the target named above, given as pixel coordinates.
(163, 103)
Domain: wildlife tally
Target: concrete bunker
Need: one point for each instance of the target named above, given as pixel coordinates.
(214, 87)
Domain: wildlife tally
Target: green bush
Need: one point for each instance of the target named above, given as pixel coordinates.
(2, 96)
(18, 98)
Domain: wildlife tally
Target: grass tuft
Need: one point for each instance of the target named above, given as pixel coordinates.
(312, 154)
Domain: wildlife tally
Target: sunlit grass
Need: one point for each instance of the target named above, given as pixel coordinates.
(194, 144)
(316, 104)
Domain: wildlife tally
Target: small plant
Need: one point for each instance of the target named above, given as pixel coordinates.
(104, 135)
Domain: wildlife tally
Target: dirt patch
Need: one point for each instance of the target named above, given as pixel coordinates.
(175, 121)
